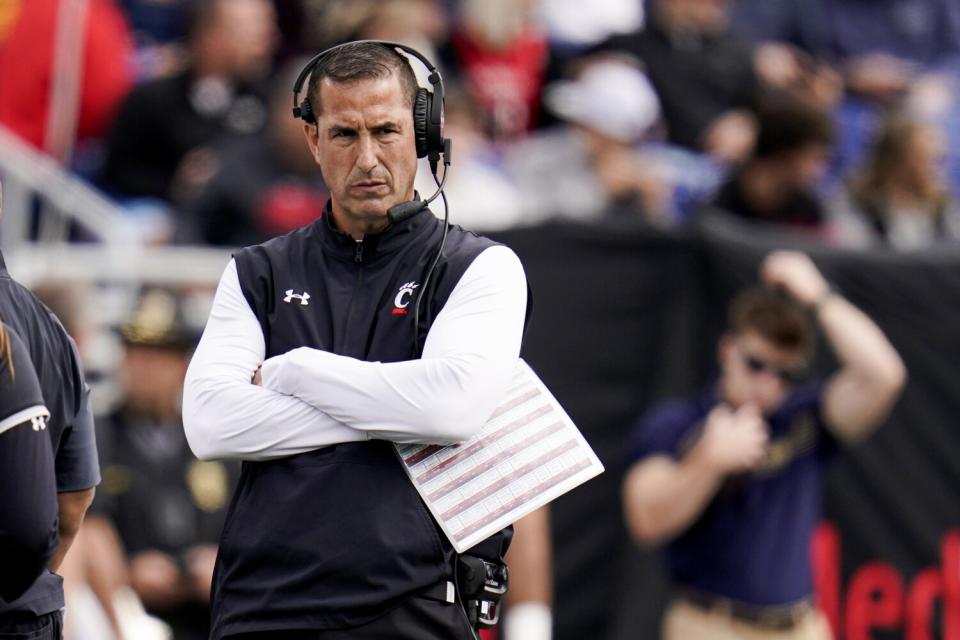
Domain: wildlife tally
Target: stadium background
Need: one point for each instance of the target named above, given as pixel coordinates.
(629, 293)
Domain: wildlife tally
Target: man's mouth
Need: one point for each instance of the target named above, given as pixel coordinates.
(368, 186)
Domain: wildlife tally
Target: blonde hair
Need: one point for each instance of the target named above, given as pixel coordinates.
(890, 149)
(6, 349)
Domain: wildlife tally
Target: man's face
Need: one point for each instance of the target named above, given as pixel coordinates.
(153, 376)
(247, 31)
(756, 371)
(703, 16)
(364, 144)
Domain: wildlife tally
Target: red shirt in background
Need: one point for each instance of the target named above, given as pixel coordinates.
(26, 69)
(504, 82)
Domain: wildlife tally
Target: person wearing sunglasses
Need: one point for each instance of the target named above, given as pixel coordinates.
(730, 480)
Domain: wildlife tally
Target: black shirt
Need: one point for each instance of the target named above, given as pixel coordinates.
(163, 120)
(70, 428)
(157, 494)
(697, 78)
(798, 209)
(159, 497)
(252, 197)
(28, 510)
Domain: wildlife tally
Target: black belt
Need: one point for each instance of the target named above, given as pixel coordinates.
(443, 591)
(774, 618)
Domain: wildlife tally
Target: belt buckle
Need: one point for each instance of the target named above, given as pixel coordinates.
(489, 614)
(774, 621)
(784, 619)
(482, 585)
(496, 578)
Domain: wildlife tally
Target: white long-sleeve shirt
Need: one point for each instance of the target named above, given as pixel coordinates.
(311, 398)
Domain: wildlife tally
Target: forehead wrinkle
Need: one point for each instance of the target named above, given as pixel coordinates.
(359, 121)
(376, 94)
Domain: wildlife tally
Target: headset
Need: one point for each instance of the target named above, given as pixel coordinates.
(430, 144)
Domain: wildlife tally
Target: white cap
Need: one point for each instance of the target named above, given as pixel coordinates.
(611, 97)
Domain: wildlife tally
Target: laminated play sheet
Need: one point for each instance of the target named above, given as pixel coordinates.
(527, 454)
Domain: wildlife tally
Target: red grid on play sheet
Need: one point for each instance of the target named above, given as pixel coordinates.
(527, 454)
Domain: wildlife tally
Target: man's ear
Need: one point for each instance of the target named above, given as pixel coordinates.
(312, 133)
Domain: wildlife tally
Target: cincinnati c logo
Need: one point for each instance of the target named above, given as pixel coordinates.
(403, 298)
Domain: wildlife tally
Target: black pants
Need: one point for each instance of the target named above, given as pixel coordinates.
(418, 618)
(47, 627)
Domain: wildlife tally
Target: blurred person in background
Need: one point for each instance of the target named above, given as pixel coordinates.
(264, 184)
(777, 183)
(499, 53)
(38, 612)
(329, 22)
(231, 45)
(789, 48)
(588, 167)
(899, 198)
(159, 30)
(703, 74)
(889, 54)
(166, 507)
(575, 26)
(96, 582)
(529, 603)
(880, 47)
(65, 67)
(421, 24)
(884, 47)
(730, 479)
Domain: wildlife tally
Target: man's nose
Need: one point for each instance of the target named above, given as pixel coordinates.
(367, 159)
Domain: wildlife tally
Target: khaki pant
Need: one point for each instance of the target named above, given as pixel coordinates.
(684, 621)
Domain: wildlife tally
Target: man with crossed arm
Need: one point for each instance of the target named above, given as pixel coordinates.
(326, 536)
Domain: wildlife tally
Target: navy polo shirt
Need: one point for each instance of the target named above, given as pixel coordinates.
(751, 544)
(28, 509)
(70, 427)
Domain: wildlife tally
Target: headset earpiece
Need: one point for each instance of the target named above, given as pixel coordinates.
(434, 128)
(421, 122)
(305, 112)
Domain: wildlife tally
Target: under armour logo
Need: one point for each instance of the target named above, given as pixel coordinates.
(39, 423)
(304, 297)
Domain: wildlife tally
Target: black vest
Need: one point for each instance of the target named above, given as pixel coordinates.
(333, 538)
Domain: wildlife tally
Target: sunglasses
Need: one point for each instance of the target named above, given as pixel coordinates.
(786, 375)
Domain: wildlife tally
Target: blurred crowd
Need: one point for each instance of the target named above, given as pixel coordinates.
(835, 118)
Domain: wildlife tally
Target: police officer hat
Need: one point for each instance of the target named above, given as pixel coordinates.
(158, 320)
